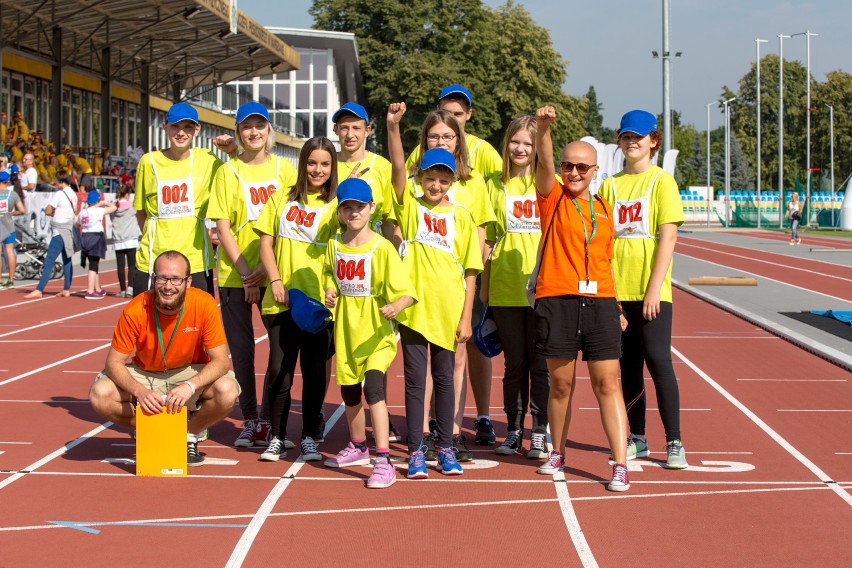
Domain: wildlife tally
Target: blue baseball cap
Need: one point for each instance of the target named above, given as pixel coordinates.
(309, 314)
(5, 176)
(354, 189)
(252, 108)
(485, 335)
(438, 157)
(181, 111)
(351, 108)
(640, 122)
(93, 197)
(457, 90)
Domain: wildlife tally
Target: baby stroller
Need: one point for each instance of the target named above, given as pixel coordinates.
(32, 264)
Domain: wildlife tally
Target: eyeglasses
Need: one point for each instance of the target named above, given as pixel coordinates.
(582, 169)
(176, 281)
(444, 137)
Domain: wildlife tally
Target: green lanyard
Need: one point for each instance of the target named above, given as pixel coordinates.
(165, 349)
(586, 238)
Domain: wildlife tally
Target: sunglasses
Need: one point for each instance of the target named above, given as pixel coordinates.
(582, 169)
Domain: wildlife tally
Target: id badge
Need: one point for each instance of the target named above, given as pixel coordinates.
(589, 287)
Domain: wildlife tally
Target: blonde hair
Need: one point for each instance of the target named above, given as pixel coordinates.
(525, 122)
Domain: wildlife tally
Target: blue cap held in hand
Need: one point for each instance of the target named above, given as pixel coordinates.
(309, 314)
(485, 335)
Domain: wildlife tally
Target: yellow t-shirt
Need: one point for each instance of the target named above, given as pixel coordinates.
(81, 165)
(299, 263)
(514, 256)
(363, 339)
(236, 198)
(185, 234)
(634, 258)
(482, 156)
(379, 178)
(437, 275)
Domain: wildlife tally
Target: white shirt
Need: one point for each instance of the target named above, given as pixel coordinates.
(30, 177)
(61, 201)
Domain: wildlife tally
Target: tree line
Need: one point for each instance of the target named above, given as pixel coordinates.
(410, 49)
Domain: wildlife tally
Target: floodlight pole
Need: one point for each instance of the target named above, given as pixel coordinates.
(757, 43)
(728, 161)
(709, 190)
(831, 139)
(781, 129)
(808, 207)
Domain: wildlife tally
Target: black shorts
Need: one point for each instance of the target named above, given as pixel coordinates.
(566, 325)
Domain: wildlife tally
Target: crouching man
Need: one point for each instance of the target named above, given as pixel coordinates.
(181, 356)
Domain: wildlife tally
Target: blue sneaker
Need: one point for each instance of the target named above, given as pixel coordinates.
(417, 466)
(448, 463)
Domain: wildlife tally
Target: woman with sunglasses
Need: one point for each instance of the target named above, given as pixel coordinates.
(647, 211)
(576, 307)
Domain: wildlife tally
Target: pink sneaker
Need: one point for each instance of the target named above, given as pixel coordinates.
(554, 463)
(349, 456)
(384, 474)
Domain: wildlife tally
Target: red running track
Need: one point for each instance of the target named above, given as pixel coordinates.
(765, 427)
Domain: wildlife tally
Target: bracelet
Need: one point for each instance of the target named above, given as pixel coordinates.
(189, 384)
(274, 281)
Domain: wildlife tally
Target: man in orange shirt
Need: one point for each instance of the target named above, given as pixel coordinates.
(181, 356)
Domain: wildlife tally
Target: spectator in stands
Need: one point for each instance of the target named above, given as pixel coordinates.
(4, 127)
(192, 370)
(125, 238)
(61, 209)
(83, 170)
(29, 176)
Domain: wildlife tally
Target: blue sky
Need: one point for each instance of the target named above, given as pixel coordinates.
(609, 44)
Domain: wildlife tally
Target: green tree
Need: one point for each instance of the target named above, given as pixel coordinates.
(837, 92)
(410, 50)
(594, 118)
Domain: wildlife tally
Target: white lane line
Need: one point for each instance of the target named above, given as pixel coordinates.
(796, 380)
(726, 267)
(246, 541)
(53, 322)
(48, 401)
(40, 369)
(821, 475)
(791, 266)
(18, 443)
(815, 410)
(91, 433)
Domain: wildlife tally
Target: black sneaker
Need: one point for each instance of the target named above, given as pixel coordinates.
(511, 444)
(429, 443)
(193, 458)
(484, 433)
(319, 435)
(394, 435)
(460, 446)
(433, 428)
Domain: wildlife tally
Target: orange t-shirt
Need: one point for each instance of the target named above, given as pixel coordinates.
(563, 258)
(200, 329)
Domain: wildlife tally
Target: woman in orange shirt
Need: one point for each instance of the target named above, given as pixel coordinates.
(576, 308)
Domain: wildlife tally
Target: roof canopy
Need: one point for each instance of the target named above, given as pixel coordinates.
(183, 43)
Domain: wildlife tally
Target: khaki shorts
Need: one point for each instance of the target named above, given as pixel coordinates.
(161, 383)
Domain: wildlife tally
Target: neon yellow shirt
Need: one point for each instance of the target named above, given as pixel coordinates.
(515, 253)
(438, 276)
(363, 339)
(379, 178)
(634, 258)
(482, 155)
(228, 201)
(299, 263)
(185, 234)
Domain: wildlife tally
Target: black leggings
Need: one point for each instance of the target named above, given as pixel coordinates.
(414, 351)
(94, 263)
(239, 330)
(526, 381)
(649, 343)
(287, 343)
(372, 388)
(123, 256)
